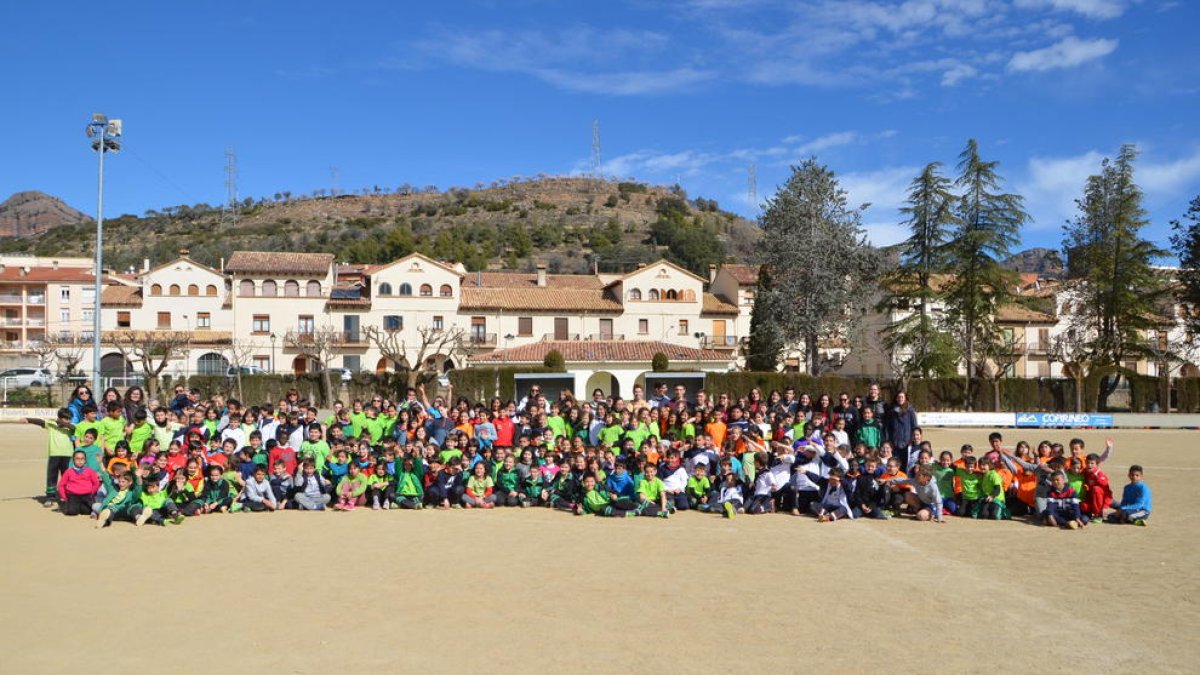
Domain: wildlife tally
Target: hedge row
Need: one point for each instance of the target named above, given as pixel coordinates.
(943, 394)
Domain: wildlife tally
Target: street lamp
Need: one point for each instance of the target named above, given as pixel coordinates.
(272, 353)
(104, 134)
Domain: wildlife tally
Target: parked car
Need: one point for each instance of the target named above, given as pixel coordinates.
(246, 370)
(27, 377)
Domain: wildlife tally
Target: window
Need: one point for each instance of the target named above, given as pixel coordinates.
(65, 294)
(123, 320)
(385, 288)
(393, 323)
(212, 364)
(261, 324)
(193, 289)
(683, 327)
(352, 362)
(246, 288)
(306, 325)
(643, 326)
(156, 289)
(174, 290)
(438, 323)
(405, 289)
(203, 320)
(653, 295)
(87, 295)
(672, 295)
(270, 289)
(606, 329)
(635, 294)
(313, 289)
(426, 291)
(64, 315)
(89, 316)
(446, 291)
(210, 291)
(262, 361)
(164, 320)
(291, 288)
(525, 326)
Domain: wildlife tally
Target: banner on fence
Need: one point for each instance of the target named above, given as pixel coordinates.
(1064, 420)
(965, 419)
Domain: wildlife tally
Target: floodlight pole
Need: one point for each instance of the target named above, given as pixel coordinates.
(99, 131)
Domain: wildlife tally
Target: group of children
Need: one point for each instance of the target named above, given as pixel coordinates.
(167, 465)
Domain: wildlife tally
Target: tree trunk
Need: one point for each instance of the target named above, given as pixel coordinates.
(996, 395)
(328, 387)
(970, 365)
(239, 384)
(810, 348)
(1079, 394)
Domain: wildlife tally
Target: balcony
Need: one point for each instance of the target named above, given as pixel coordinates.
(36, 299)
(479, 341)
(720, 342)
(12, 321)
(10, 299)
(35, 322)
(604, 336)
(340, 338)
(547, 337)
(1038, 348)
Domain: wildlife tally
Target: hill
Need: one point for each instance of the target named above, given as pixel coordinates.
(1046, 262)
(568, 223)
(29, 213)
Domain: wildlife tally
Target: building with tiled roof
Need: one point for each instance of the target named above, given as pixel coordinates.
(601, 351)
(258, 263)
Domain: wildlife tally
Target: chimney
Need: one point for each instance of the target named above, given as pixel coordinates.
(222, 267)
(145, 265)
(541, 275)
(54, 264)
(25, 270)
(183, 252)
(712, 272)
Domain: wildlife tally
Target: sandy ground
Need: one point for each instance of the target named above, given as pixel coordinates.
(537, 590)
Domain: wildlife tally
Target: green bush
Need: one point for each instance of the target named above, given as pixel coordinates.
(554, 361)
(1187, 394)
(659, 363)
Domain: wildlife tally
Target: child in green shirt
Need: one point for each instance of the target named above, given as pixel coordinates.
(972, 491)
(992, 505)
(698, 487)
(59, 449)
(351, 489)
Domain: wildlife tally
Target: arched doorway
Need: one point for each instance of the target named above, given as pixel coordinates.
(442, 362)
(602, 380)
(115, 366)
(300, 365)
(212, 363)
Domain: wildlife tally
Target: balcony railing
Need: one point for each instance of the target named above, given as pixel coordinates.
(38, 299)
(35, 322)
(546, 337)
(479, 340)
(341, 338)
(10, 299)
(604, 336)
(720, 341)
(12, 321)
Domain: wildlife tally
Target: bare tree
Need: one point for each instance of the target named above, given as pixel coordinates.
(1072, 349)
(317, 345)
(997, 361)
(241, 353)
(151, 351)
(429, 343)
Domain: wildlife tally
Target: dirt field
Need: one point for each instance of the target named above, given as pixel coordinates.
(541, 591)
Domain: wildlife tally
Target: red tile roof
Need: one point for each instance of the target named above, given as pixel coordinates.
(746, 275)
(275, 262)
(537, 299)
(601, 351)
(523, 280)
(44, 274)
(121, 296)
(715, 305)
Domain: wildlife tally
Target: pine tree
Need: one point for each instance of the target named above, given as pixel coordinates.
(1115, 290)
(989, 222)
(917, 340)
(1186, 244)
(819, 260)
(766, 342)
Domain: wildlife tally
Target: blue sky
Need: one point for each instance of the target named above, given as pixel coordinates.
(454, 93)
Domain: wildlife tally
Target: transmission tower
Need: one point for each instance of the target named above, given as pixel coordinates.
(752, 185)
(335, 177)
(595, 166)
(231, 191)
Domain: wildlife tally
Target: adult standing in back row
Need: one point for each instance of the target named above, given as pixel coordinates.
(899, 422)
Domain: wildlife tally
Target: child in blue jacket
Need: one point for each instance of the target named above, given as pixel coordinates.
(1135, 500)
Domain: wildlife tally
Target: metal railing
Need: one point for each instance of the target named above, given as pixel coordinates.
(9, 299)
(479, 340)
(546, 337)
(720, 341)
(604, 336)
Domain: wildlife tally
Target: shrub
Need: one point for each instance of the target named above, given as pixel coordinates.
(555, 363)
(660, 363)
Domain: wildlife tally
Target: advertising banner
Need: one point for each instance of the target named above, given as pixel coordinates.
(965, 419)
(1052, 420)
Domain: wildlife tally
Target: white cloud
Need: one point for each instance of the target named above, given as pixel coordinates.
(1067, 53)
(885, 234)
(1170, 178)
(822, 142)
(883, 189)
(1095, 9)
(1053, 184)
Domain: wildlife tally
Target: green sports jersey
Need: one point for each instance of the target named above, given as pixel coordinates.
(81, 429)
(991, 484)
(356, 423)
(697, 487)
(139, 435)
(58, 441)
(449, 454)
(971, 483)
(559, 426)
(111, 430)
(318, 451)
(651, 488)
(611, 435)
(374, 429)
(944, 476)
(595, 501)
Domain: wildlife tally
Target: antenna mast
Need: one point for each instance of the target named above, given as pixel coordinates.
(231, 190)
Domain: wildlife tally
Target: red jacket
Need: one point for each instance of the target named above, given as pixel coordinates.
(74, 482)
